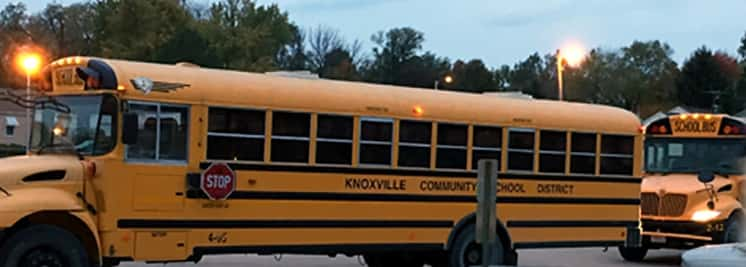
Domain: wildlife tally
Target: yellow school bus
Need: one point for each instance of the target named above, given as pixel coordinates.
(135, 161)
(678, 211)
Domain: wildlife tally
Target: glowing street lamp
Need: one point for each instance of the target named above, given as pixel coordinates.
(30, 64)
(571, 55)
(447, 79)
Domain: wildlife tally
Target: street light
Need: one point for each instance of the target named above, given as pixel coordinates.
(446, 79)
(30, 63)
(571, 55)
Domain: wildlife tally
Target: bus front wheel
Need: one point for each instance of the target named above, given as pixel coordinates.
(43, 245)
(633, 254)
(466, 252)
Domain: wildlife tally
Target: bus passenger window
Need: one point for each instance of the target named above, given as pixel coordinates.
(235, 134)
(452, 139)
(521, 149)
(334, 140)
(162, 132)
(487, 144)
(617, 154)
(290, 136)
(414, 143)
(375, 141)
(583, 153)
(173, 134)
(552, 151)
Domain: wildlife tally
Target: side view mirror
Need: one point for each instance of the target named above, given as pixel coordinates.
(706, 176)
(129, 128)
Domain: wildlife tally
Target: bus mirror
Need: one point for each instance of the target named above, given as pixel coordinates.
(706, 176)
(129, 129)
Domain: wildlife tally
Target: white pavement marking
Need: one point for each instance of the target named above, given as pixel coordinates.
(591, 257)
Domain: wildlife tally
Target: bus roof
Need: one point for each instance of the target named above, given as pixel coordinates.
(242, 89)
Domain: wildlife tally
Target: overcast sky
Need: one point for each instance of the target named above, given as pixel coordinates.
(504, 32)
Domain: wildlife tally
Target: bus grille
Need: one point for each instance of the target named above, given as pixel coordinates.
(673, 205)
(649, 204)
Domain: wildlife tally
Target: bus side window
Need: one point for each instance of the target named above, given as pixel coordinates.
(552, 151)
(414, 143)
(487, 144)
(235, 134)
(334, 140)
(521, 149)
(290, 136)
(376, 141)
(162, 132)
(452, 139)
(617, 154)
(583, 153)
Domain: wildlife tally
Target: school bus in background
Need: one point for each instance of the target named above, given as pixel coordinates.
(678, 211)
(126, 157)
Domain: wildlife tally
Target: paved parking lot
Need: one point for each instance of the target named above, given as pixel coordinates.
(594, 257)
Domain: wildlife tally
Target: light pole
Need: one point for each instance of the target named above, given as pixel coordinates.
(30, 64)
(571, 55)
(446, 79)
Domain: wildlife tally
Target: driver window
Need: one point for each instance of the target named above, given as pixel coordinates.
(162, 132)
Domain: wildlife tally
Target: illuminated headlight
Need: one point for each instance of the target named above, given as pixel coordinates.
(704, 215)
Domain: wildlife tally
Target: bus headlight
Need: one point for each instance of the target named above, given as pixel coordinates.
(704, 215)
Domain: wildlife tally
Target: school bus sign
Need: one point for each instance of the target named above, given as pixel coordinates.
(218, 181)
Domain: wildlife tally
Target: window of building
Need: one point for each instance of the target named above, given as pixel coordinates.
(521, 149)
(10, 126)
(235, 134)
(552, 147)
(375, 141)
(583, 153)
(617, 154)
(290, 136)
(487, 144)
(414, 144)
(162, 132)
(452, 146)
(334, 140)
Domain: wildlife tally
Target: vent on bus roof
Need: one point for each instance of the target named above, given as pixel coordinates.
(304, 74)
(187, 64)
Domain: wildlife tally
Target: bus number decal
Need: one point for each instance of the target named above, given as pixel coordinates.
(695, 126)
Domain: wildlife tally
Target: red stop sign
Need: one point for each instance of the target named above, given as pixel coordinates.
(218, 181)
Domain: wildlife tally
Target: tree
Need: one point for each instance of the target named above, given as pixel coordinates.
(651, 73)
(13, 34)
(527, 76)
(339, 65)
(322, 41)
(742, 48)
(502, 77)
(293, 56)
(704, 80)
(187, 45)
(472, 77)
(394, 49)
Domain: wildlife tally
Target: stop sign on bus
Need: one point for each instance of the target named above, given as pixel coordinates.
(218, 181)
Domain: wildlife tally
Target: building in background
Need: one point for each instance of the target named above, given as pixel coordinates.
(13, 127)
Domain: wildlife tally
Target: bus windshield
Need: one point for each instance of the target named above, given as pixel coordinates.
(692, 155)
(87, 129)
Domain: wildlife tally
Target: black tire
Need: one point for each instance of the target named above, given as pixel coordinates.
(633, 254)
(466, 252)
(43, 245)
(734, 231)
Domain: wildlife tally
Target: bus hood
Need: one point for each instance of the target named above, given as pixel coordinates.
(20, 170)
(679, 183)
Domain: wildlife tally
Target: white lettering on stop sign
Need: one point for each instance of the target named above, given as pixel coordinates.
(218, 181)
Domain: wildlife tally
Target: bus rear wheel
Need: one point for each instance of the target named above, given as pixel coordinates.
(43, 246)
(466, 252)
(633, 254)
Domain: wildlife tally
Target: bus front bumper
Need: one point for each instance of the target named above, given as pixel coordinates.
(680, 234)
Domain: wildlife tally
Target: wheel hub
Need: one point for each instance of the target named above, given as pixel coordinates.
(43, 257)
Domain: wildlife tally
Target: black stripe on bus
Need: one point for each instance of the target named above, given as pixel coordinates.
(427, 173)
(327, 196)
(221, 224)
(544, 224)
(352, 249)
(568, 244)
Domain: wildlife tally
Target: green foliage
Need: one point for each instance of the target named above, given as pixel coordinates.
(742, 48)
(472, 77)
(339, 65)
(396, 50)
(707, 77)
